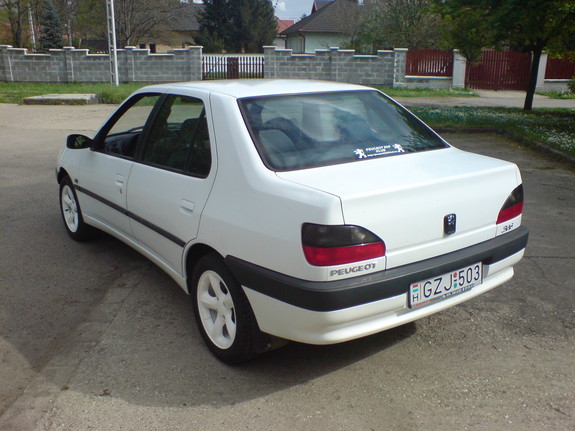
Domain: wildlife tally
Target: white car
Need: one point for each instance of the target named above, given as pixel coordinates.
(311, 211)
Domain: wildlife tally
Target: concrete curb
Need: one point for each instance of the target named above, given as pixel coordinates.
(63, 99)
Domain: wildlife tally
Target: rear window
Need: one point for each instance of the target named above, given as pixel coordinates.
(303, 131)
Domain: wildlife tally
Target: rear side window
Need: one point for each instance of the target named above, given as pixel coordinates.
(179, 139)
(304, 131)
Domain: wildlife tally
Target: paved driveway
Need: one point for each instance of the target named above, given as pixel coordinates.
(93, 336)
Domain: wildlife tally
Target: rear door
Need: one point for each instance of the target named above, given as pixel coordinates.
(170, 184)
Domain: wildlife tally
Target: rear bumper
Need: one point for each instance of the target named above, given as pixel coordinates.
(343, 310)
(355, 291)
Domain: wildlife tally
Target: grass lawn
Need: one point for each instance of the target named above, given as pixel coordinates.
(557, 94)
(552, 127)
(426, 92)
(16, 92)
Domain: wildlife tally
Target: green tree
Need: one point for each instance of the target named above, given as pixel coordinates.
(241, 25)
(528, 25)
(51, 28)
(137, 20)
(90, 21)
(256, 25)
(215, 26)
(397, 24)
(16, 11)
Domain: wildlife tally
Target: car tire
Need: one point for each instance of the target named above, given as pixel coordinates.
(71, 212)
(222, 311)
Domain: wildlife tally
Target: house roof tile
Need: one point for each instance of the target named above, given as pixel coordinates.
(284, 24)
(330, 18)
(186, 18)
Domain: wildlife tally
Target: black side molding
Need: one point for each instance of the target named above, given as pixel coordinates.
(133, 216)
(350, 292)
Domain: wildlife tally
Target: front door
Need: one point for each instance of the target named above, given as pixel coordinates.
(103, 181)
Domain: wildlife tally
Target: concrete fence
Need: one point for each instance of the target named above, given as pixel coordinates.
(78, 65)
(138, 65)
(334, 64)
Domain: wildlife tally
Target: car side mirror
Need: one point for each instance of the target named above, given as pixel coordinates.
(76, 142)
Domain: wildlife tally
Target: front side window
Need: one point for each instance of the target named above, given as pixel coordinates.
(304, 131)
(179, 139)
(122, 137)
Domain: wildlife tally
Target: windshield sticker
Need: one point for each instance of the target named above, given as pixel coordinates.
(382, 150)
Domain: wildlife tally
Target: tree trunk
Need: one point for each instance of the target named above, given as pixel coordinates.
(533, 78)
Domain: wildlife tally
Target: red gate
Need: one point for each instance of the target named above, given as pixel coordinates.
(501, 70)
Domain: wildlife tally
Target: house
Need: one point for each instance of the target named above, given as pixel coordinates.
(283, 24)
(184, 29)
(330, 24)
(186, 25)
(317, 5)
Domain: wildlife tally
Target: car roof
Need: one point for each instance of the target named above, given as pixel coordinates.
(256, 87)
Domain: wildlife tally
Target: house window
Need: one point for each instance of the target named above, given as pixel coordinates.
(296, 43)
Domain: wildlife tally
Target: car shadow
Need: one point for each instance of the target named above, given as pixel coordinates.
(152, 353)
(127, 330)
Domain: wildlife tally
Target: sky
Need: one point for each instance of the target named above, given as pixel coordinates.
(289, 9)
(292, 9)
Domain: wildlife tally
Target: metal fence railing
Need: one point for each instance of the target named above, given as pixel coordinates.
(232, 67)
(560, 68)
(429, 62)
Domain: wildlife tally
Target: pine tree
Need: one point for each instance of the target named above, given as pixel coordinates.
(241, 25)
(52, 28)
(257, 25)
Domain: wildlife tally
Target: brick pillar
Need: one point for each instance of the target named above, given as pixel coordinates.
(334, 62)
(130, 61)
(194, 56)
(5, 64)
(400, 64)
(459, 70)
(386, 59)
(270, 62)
(68, 64)
(541, 72)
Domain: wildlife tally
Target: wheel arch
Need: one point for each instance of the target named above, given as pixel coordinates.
(61, 174)
(193, 255)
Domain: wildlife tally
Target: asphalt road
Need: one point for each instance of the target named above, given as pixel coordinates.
(95, 337)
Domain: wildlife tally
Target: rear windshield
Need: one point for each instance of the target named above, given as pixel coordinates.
(303, 131)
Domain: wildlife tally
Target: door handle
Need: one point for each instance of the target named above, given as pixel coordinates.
(187, 207)
(120, 180)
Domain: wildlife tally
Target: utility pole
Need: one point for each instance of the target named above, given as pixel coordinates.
(32, 31)
(69, 6)
(112, 41)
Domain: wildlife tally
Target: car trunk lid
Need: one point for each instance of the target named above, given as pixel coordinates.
(405, 199)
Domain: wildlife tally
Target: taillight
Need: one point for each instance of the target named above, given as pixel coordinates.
(336, 245)
(513, 206)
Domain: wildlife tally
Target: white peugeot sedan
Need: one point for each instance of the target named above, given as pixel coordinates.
(311, 211)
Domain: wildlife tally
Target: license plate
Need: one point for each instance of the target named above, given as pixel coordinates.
(444, 286)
